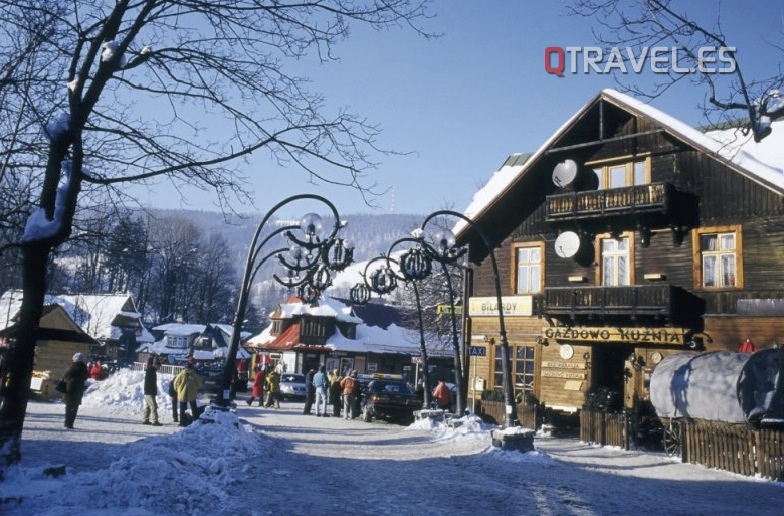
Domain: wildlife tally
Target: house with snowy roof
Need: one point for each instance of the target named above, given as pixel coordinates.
(111, 319)
(204, 342)
(626, 237)
(332, 332)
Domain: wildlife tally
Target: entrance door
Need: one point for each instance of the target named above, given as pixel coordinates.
(608, 378)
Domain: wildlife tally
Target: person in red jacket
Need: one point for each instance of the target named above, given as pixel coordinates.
(96, 370)
(442, 395)
(257, 391)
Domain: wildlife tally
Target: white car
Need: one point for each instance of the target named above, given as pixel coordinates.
(292, 386)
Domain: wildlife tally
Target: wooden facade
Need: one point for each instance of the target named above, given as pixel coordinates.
(686, 254)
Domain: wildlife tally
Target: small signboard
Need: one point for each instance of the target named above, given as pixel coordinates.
(447, 309)
(477, 351)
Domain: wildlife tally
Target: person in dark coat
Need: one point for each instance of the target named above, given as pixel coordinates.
(74, 378)
(150, 392)
(310, 393)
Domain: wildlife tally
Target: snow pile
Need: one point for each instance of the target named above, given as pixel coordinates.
(123, 392)
(186, 472)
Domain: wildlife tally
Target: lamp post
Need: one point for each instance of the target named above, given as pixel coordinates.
(384, 279)
(444, 244)
(450, 257)
(309, 253)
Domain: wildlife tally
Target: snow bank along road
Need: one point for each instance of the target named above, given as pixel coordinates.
(323, 465)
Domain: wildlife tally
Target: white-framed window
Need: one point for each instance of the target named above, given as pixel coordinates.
(176, 341)
(620, 175)
(717, 251)
(528, 270)
(616, 261)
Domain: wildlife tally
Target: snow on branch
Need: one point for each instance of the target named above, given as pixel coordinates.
(38, 226)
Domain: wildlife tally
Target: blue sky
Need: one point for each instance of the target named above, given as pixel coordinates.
(462, 103)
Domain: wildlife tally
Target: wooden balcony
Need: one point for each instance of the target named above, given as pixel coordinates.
(650, 198)
(666, 301)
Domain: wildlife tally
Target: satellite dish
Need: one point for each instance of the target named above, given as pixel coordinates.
(567, 244)
(564, 173)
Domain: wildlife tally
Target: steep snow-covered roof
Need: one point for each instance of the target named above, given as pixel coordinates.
(369, 339)
(326, 307)
(762, 162)
(99, 315)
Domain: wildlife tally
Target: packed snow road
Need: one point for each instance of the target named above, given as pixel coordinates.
(332, 465)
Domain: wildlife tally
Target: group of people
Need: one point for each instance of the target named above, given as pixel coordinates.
(324, 389)
(265, 381)
(183, 389)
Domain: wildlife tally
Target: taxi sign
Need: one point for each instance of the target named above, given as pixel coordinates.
(477, 351)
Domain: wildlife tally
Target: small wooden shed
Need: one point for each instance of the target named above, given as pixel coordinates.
(58, 339)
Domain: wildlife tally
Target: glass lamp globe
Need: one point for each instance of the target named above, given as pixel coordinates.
(311, 224)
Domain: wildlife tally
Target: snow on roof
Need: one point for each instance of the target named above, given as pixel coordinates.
(180, 329)
(369, 339)
(96, 314)
(762, 162)
(326, 307)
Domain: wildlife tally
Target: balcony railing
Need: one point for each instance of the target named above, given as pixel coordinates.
(652, 300)
(650, 198)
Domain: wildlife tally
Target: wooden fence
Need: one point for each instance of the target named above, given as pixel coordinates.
(495, 411)
(605, 428)
(734, 447)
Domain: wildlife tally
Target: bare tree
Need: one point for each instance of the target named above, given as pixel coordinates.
(642, 24)
(182, 90)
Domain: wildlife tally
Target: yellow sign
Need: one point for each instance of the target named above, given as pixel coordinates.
(488, 306)
(446, 310)
(607, 334)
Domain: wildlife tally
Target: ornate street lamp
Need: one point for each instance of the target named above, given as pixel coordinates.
(442, 249)
(308, 254)
(384, 279)
(444, 245)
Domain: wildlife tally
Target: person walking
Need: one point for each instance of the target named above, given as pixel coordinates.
(442, 395)
(335, 393)
(273, 389)
(349, 385)
(74, 378)
(257, 391)
(320, 385)
(310, 392)
(150, 392)
(187, 384)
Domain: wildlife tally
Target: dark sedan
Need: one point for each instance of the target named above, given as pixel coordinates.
(390, 399)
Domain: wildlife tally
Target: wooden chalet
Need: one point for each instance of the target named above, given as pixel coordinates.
(331, 332)
(626, 237)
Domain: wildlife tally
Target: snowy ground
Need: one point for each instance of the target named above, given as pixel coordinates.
(263, 461)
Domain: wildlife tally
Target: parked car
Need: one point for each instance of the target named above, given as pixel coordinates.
(211, 377)
(292, 386)
(389, 399)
